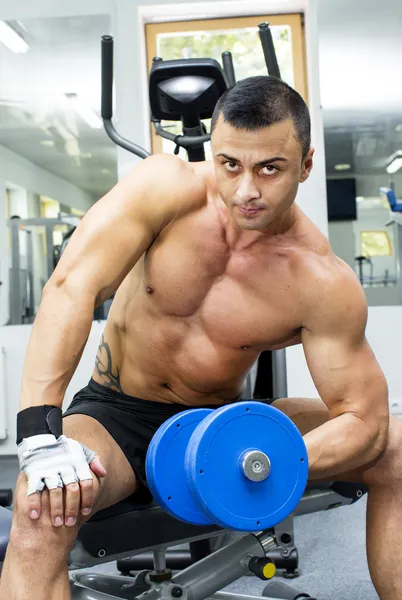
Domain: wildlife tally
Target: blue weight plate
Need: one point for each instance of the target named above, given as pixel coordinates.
(165, 466)
(213, 466)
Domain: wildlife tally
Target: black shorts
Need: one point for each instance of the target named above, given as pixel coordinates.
(130, 421)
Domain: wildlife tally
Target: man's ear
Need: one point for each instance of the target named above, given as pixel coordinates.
(307, 165)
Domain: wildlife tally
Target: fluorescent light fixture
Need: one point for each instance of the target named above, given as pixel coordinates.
(86, 113)
(394, 162)
(13, 40)
(342, 167)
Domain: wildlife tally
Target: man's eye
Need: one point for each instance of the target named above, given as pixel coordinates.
(269, 170)
(230, 166)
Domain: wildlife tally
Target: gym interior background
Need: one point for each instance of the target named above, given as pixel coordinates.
(56, 160)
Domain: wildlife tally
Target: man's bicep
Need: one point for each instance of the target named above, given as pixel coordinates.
(341, 362)
(347, 375)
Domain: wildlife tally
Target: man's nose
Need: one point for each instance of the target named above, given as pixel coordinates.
(247, 189)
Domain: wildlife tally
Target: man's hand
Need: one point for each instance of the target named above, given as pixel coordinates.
(54, 464)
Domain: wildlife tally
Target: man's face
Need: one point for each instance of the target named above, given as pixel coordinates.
(258, 172)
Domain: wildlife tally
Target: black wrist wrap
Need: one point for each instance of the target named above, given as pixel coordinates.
(37, 420)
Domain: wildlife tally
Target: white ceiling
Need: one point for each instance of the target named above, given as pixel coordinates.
(36, 119)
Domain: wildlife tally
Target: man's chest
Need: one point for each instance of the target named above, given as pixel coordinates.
(248, 298)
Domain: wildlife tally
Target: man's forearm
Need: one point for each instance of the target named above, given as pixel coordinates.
(57, 341)
(341, 445)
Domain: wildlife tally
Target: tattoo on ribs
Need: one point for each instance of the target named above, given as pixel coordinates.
(104, 367)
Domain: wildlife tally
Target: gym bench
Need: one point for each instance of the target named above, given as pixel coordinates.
(128, 529)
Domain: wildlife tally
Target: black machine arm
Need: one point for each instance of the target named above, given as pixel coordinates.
(107, 100)
(185, 141)
(267, 44)
(227, 61)
(193, 137)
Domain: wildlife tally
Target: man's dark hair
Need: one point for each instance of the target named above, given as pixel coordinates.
(257, 102)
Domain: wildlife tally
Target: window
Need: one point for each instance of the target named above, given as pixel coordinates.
(209, 38)
(375, 243)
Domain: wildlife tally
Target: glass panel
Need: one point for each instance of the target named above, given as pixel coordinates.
(52, 137)
(248, 58)
(50, 100)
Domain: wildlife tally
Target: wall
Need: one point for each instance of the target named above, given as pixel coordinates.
(342, 239)
(23, 9)
(13, 343)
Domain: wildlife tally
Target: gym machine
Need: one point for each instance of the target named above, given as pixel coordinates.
(21, 275)
(22, 272)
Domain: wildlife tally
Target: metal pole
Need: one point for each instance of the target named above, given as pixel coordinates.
(30, 268)
(227, 61)
(49, 250)
(15, 275)
(280, 386)
(268, 48)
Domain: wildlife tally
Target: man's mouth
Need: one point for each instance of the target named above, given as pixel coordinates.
(249, 210)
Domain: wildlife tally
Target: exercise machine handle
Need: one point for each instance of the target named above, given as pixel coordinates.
(107, 100)
(185, 141)
(228, 67)
(107, 77)
(268, 47)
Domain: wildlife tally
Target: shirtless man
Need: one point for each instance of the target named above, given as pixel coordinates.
(211, 264)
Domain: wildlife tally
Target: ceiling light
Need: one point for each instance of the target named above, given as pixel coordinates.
(86, 113)
(342, 167)
(13, 40)
(398, 127)
(394, 162)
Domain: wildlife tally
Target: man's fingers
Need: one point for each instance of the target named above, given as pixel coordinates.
(97, 467)
(72, 503)
(34, 505)
(87, 496)
(56, 506)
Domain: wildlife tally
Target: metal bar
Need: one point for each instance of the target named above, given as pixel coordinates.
(181, 140)
(268, 48)
(280, 385)
(232, 596)
(159, 560)
(219, 569)
(30, 268)
(123, 142)
(227, 61)
(3, 401)
(49, 250)
(107, 77)
(15, 276)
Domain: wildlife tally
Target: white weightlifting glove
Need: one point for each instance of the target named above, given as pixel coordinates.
(52, 463)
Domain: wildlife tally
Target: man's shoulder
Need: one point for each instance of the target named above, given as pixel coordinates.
(327, 284)
(169, 179)
(331, 290)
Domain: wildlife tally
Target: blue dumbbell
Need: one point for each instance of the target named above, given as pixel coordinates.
(242, 466)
